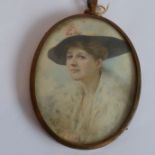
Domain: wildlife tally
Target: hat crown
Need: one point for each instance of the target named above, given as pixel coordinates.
(113, 46)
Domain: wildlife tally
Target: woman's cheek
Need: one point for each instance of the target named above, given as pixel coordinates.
(84, 64)
(86, 68)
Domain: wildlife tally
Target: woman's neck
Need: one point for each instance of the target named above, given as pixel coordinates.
(90, 85)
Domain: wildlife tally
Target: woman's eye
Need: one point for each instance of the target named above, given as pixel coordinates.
(82, 57)
(69, 56)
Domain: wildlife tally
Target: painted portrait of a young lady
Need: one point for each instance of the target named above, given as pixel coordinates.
(93, 104)
(85, 82)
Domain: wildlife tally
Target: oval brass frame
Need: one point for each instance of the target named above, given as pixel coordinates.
(136, 96)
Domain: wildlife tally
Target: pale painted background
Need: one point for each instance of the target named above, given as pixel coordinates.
(22, 25)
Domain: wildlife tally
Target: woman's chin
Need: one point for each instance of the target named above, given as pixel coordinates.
(76, 77)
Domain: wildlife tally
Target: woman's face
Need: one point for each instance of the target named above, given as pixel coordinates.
(81, 64)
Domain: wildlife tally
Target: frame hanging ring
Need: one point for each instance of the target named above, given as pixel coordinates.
(95, 9)
(100, 9)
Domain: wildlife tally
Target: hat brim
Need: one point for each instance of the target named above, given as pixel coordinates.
(114, 46)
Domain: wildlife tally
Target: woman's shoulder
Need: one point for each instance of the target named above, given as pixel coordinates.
(59, 102)
(64, 95)
(112, 91)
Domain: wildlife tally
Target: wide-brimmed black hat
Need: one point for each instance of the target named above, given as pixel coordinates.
(114, 46)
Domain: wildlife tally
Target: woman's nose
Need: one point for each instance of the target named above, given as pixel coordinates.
(73, 61)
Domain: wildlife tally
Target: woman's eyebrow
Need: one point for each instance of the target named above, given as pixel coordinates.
(82, 53)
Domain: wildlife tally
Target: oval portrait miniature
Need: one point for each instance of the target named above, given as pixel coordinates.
(85, 81)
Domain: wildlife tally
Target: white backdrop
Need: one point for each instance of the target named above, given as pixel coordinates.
(22, 25)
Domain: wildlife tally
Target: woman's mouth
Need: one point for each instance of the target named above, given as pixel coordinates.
(74, 70)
